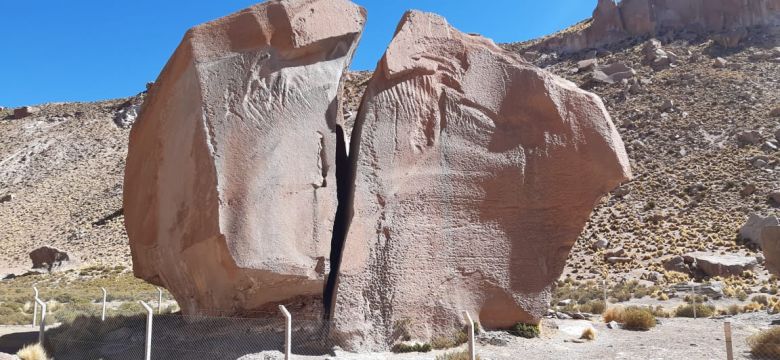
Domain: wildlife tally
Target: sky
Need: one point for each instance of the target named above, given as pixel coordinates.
(88, 50)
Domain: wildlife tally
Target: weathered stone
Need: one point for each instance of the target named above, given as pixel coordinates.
(6, 198)
(230, 188)
(751, 231)
(48, 258)
(586, 65)
(731, 38)
(720, 62)
(474, 174)
(612, 73)
(723, 265)
(677, 263)
(749, 137)
(775, 196)
(775, 113)
(612, 23)
(25, 111)
(770, 245)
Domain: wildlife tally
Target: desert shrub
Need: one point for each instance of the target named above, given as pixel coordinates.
(637, 318)
(588, 334)
(408, 348)
(632, 317)
(702, 310)
(461, 355)
(458, 338)
(752, 307)
(765, 344)
(32, 352)
(761, 299)
(659, 311)
(528, 331)
(593, 307)
(734, 309)
(614, 313)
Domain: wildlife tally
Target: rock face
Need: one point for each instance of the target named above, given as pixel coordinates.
(751, 231)
(48, 258)
(25, 111)
(723, 265)
(230, 189)
(474, 173)
(613, 22)
(770, 244)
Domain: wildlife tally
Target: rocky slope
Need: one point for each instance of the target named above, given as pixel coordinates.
(695, 181)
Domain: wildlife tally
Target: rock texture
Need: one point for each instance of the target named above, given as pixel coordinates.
(723, 265)
(230, 190)
(753, 228)
(613, 22)
(770, 244)
(474, 174)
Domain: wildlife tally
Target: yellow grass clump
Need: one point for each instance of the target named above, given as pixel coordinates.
(588, 334)
(32, 352)
(765, 343)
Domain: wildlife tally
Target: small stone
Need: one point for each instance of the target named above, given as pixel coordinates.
(720, 62)
(6, 198)
(616, 252)
(775, 113)
(666, 106)
(600, 244)
(775, 196)
(586, 65)
(618, 260)
(769, 146)
(749, 137)
(25, 111)
(613, 325)
(747, 190)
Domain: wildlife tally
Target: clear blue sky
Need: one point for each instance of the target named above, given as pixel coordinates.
(85, 50)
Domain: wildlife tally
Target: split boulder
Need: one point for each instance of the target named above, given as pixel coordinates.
(230, 189)
(48, 258)
(474, 174)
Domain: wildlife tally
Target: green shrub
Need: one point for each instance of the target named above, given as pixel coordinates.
(702, 310)
(638, 318)
(528, 331)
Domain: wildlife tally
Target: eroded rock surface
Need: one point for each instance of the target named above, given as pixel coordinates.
(613, 22)
(474, 174)
(230, 189)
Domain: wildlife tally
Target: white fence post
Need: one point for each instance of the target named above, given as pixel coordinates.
(287, 332)
(35, 305)
(694, 302)
(148, 346)
(729, 349)
(159, 301)
(105, 294)
(472, 351)
(43, 320)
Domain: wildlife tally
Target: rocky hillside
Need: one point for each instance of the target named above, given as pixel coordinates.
(702, 129)
(696, 117)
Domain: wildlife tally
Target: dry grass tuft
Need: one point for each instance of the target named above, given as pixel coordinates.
(32, 352)
(589, 334)
(765, 343)
(632, 317)
(461, 355)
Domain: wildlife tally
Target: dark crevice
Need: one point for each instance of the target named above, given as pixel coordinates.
(109, 217)
(344, 175)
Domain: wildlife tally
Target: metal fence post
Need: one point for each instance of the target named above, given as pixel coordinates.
(43, 320)
(729, 350)
(105, 294)
(159, 301)
(287, 332)
(35, 305)
(472, 351)
(694, 302)
(148, 346)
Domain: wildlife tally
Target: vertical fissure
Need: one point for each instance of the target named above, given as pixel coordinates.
(343, 218)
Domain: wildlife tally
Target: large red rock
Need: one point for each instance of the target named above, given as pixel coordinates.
(475, 172)
(613, 22)
(230, 192)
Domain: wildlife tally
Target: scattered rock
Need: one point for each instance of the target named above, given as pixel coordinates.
(747, 190)
(612, 73)
(128, 112)
(495, 338)
(678, 264)
(616, 252)
(564, 302)
(666, 106)
(775, 196)
(6, 198)
(775, 113)
(586, 65)
(720, 62)
(723, 265)
(48, 258)
(613, 325)
(618, 259)
(749, 137)
(25, 111)
(751, 231)
(600, 244)
(713, 290)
